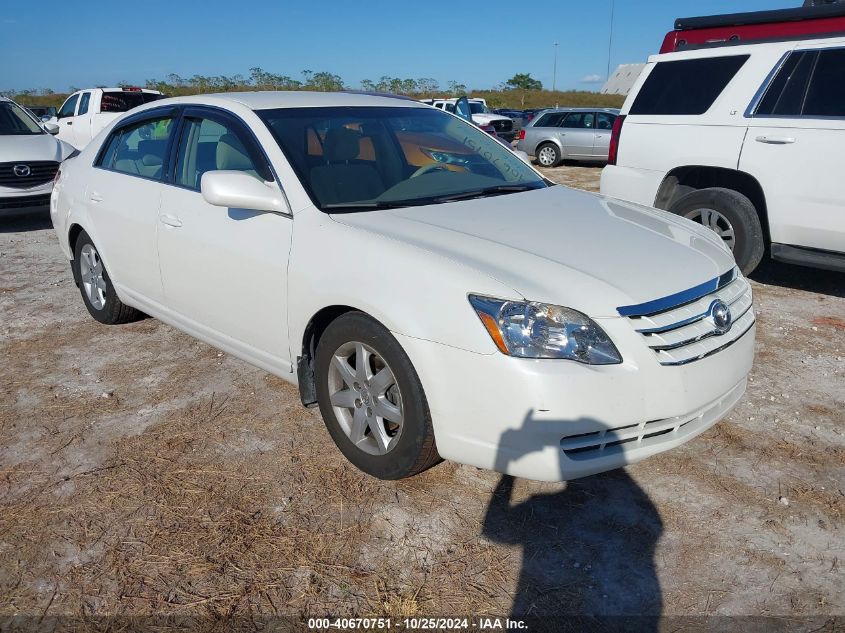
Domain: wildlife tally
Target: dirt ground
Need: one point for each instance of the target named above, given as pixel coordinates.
(144, 472)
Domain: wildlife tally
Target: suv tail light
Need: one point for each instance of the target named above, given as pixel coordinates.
(613, 150)
(521, 136)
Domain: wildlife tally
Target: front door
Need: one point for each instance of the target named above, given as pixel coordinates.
(65, 119)
(224, 270)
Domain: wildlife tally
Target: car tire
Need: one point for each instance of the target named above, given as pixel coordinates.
(731, 215)
(548, 155)
(353, 396)
(96, 287)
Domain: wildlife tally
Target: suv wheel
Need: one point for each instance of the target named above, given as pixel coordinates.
(96, 287)
(371, 399)
(730, 215)
(548, 155)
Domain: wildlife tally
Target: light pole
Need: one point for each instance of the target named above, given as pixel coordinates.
(554, 73)
(610, 38)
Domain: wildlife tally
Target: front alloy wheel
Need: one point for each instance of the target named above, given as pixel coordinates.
(371, 399)
(366, 399)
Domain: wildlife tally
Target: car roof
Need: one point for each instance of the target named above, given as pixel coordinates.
(266, 100)
(611, 110)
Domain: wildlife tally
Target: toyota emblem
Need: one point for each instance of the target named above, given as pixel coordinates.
(22, 170)
(721, 316)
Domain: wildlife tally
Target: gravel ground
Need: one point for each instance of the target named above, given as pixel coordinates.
(144, 472)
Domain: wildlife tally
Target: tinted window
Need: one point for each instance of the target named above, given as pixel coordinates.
(785, 94)
(688, 86)
(125, 100)
(604, 121)
(139, 149)
(83, 103)
(68, 107)
(207, 145)
(582, 120)
(552, 119)
(826, 94)
(15, 122)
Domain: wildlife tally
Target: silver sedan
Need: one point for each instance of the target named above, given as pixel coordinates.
(568, 133)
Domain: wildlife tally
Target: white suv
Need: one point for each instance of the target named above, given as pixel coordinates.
(746, 140)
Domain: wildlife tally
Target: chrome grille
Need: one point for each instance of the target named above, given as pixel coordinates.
(40, 172)
(686, 333)
(503, 125)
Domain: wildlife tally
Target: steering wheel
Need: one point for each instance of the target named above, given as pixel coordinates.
(429, 168)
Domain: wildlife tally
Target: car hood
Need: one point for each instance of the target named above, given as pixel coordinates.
(562, 246)
(488, 118)
(32, 147)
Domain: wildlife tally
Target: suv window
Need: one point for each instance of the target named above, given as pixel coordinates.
(785, 94)
(582, 120)
(68, 107)
(687, 86)
(83, 103)
(138, 149)
(207, 145)
(552, 119)
(826, 94)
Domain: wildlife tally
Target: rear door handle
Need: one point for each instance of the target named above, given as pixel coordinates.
(95, 197)
(775, 140)
(170, 220)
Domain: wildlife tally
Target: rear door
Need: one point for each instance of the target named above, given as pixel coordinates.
(601, 139)
(82, 121)
(224, 270)
(123, 199)
(577, 134)
(794, 148)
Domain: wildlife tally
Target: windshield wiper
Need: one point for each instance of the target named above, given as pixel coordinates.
(480, 193)
(368, 206)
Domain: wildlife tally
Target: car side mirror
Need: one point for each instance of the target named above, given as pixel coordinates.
(51, 128)
(239, 190)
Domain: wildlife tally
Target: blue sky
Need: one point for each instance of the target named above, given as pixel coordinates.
(57, 44)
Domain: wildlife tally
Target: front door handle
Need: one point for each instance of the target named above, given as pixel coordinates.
(95, 197)
(775, 140)
(170, 220)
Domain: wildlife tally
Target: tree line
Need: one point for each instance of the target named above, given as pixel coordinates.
(521, 90)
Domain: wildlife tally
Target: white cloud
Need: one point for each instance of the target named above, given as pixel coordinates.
(591, 79)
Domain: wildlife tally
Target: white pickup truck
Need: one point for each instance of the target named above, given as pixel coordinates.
(86, 112)
(481, 115)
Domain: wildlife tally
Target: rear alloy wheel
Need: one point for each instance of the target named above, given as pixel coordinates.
(371, 399)
(94, 283)
(732, 216)
(548, 155)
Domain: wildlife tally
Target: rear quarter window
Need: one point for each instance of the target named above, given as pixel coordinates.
(687, 86)
(124, 101)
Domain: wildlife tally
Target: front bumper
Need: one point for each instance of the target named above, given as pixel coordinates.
(34, 199)
(557, 420)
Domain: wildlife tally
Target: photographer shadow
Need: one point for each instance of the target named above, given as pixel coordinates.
(587, 550)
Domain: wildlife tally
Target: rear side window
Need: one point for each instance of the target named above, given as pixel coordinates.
(139, 149)
(604, 121)
(582, 120)
(785, 95)
(83, 103)
(826, 94)
(552, 119)
(124, 101)
(687, 86)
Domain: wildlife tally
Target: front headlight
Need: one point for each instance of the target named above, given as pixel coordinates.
(527, 329)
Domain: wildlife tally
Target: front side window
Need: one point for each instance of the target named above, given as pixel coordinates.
(15, 122)
(208, 145)
(687, 86)
(364, 158)
(139, 149)
(808, 84)
(83, 102)
(580, 120)
(68, 107)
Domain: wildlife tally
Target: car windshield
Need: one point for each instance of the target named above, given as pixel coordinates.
(15, 122)
(364, 158)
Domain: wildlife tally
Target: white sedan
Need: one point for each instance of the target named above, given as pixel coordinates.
(432, 293)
